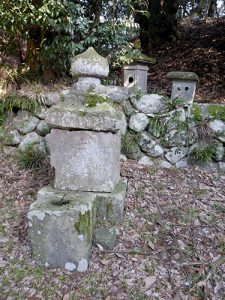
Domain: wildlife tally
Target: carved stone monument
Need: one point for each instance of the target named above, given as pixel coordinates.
(84, 145)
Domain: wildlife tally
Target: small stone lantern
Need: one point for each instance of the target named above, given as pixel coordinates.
(89, 67)
(184, 85)
(135, 75)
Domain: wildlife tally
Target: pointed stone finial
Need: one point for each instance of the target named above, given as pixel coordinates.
(89, 64)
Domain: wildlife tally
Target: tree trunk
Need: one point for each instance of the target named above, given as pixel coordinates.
(159, 25)
(212, 8)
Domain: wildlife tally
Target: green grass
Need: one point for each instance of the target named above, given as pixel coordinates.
(30, 158)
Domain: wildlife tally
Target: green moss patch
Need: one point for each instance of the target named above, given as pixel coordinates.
(92, 99)
(84, 224)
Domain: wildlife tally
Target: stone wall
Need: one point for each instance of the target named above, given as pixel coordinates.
(158, 131)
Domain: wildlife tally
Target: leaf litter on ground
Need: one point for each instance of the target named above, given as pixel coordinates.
(171, 242)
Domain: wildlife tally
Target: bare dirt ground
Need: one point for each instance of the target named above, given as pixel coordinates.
(201, 50)
(171, 243)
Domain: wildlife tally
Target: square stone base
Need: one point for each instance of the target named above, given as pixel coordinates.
(61, 224)
(61, 227)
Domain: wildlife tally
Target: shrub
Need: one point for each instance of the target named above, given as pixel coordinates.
(55, 30)
(31, 157)
(203, 153)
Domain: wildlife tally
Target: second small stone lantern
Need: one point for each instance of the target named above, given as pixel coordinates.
(184, 85)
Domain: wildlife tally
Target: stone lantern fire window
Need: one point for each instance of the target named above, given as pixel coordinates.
(184, 85)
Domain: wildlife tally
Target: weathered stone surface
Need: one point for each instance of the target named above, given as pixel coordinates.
(115, 93)
(83, 86)
(9, 150)
(128, 109)
(130, 148)
(183, 163)
(3, 240)
(40, 112)
(106, 237)
(219, 152)
(178, 137)
(30, 139)
(85, 160)
(207, 165)
(146, 161)
(221, 166)
(111, 205)
(102, 117)
(24, 122)
(9, 116)
(187, 76)
(43, 128)
(51, 98)
(175, 118)
(149, 104)
(138, 122)
(165, 164)
(221, 138)
(217, 126)
(64, 93)
(10, 137)
(148, 145)
(175, 154)
(123, 157)
(89, 63)
(61, 227)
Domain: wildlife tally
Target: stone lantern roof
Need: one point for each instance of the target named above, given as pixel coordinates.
(89, 64)
(182, 76)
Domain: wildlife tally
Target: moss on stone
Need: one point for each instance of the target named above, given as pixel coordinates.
(92, 99)
(84, 224)
(82, 113)
(91, 56)
(217, 111)
(129, 145)
(109, 208)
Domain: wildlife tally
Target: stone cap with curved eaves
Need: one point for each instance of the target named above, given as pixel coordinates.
(76, 116)
(89, 64)
(183, 76)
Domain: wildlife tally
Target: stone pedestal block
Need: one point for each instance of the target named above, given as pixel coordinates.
(85, 160)
(111, 205)
(61, 228)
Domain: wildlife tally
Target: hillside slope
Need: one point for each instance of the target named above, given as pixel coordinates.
(202, 50)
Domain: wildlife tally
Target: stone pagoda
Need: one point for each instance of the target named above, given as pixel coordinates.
(84, 145)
